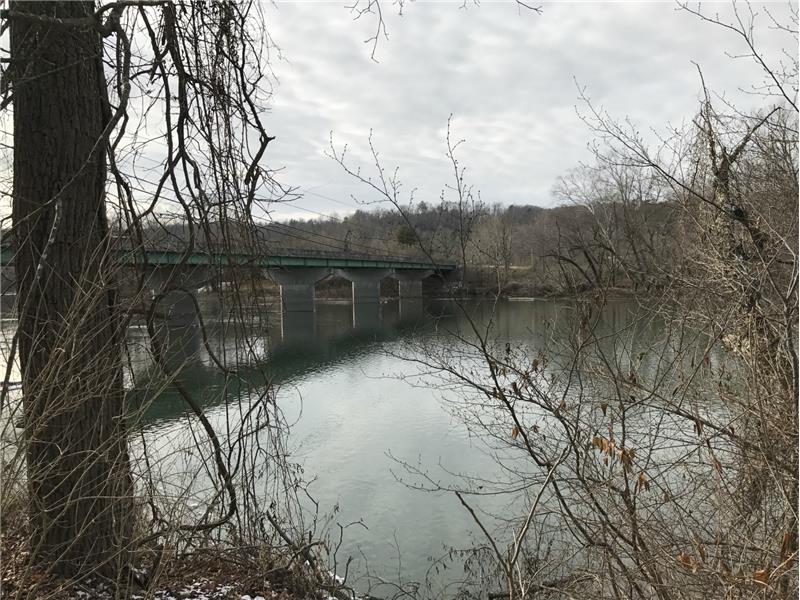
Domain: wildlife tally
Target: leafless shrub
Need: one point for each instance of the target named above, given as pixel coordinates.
(659, 466)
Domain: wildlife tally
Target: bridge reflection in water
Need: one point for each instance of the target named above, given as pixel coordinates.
(281, 348)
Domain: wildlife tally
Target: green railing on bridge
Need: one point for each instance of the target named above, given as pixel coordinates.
(288, 259)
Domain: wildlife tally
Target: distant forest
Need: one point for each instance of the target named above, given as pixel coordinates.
(605, 243)
(608, 242)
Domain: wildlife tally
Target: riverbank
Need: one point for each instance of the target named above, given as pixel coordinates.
(211, 573)
(525, 282)
(206, 572)
(533, 292)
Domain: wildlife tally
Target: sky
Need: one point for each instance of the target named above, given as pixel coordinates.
(510, 77)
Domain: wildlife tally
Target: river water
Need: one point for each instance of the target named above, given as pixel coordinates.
(359, 411)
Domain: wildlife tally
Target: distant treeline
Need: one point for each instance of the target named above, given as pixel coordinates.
(607, 242)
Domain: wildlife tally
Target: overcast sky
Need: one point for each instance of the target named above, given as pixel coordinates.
(507, 75)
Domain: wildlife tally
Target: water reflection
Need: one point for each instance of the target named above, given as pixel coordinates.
(282, 351)
(410, 309)
(297, 327)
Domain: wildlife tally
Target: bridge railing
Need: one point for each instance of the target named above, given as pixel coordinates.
(265, 248)
(262, 251)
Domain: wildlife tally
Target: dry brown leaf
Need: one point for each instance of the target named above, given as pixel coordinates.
(786, 546)
(687, 561)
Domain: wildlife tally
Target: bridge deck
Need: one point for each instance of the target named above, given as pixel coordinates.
(158, 258)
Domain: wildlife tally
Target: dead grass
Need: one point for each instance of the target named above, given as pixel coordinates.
(208, 573)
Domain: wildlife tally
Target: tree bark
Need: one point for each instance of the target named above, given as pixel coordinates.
(70, 333)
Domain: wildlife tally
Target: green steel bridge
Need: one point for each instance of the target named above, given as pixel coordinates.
(296, 272)
(279, 259)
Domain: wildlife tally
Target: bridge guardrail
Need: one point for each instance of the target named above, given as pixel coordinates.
(229, 256)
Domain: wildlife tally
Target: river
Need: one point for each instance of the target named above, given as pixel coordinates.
(357, 411)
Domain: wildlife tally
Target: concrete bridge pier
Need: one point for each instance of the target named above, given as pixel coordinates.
(178, 305)
(410, 288)
(366, 284)
(297, 300)
(411, 282)
(181, 345)
(177, 332)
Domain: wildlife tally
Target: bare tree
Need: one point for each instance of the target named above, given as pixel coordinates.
(79, 478)
(468, 205)
(628, 235)
(86, 81)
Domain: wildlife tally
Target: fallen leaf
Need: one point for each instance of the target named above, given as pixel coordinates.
(687, 561)
(761, 576)
(786, 546)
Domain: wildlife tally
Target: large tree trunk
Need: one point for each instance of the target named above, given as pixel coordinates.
(70, 335)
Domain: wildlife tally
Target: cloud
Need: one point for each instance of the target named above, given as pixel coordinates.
(510, 77)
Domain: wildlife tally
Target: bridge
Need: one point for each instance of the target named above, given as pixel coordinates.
(288, 259)
(296, 272)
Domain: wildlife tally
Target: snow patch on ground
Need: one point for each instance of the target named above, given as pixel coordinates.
(198, 590)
